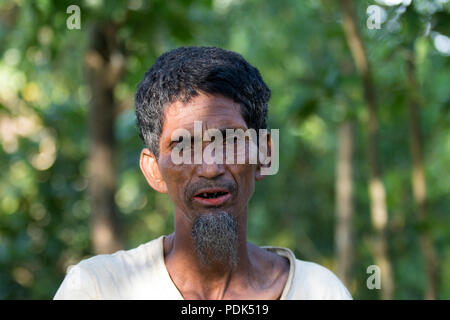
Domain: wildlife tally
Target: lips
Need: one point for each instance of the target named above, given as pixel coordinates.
(212, 196)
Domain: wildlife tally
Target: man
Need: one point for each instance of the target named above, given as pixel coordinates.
(207, 256)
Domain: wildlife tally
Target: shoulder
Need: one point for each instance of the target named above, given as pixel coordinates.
(309, 280)
(105, 265)
(313, 281)
(106, 273)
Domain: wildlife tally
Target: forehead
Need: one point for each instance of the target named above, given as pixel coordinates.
(215, 111)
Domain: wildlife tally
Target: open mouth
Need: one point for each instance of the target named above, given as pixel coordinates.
(212, 197)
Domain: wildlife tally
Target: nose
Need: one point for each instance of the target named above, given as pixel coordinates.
(210, 171)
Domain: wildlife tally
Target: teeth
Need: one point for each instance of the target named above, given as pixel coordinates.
(209, 195)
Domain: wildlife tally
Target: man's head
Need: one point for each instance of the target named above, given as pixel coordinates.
(220, 89)
(183, 73)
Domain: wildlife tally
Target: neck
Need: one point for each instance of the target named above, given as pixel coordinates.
(190, 274)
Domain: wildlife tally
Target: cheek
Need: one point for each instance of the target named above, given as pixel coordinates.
(175, 177)
(245, 177)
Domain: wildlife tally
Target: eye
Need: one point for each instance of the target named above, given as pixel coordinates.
(176, 141)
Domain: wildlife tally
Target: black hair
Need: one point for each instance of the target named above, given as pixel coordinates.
(180, 74)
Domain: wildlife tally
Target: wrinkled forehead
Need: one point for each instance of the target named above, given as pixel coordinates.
(214, 112)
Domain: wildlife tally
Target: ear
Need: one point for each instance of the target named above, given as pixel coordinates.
(150, 169)
(264, 155)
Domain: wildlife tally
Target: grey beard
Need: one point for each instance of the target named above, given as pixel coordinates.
(216, 239)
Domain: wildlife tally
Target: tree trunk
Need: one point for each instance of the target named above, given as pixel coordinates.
(344, 202)
(378, 209)
(419, 181)
(103, 66)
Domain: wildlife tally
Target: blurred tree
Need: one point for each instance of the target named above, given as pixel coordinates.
(415, 27)
(377, 190)
(104, 63)
(344, 201)
(419, 181)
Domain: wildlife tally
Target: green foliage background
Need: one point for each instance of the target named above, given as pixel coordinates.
(300, 49)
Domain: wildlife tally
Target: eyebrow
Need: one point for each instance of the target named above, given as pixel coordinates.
(176, 141)
(222, 131)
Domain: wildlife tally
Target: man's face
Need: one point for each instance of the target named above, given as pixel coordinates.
(196, 189)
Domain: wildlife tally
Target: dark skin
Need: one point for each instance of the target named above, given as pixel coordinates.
(259, 273)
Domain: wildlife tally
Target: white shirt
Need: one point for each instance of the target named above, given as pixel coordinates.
(141, 274)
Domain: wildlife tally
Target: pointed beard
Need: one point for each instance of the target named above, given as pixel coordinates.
(216, 239)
